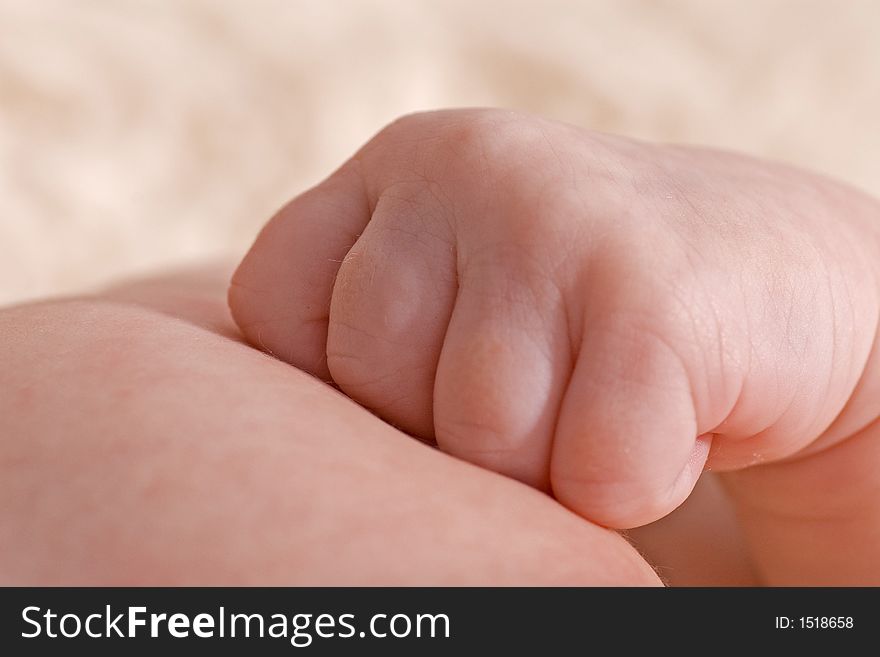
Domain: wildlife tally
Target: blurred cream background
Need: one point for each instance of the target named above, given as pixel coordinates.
(137, 135)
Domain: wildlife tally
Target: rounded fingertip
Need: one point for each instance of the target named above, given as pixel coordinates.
(624, 502)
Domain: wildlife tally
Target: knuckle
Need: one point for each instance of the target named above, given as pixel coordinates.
(469, 435)
(361, 359)
(484, 140)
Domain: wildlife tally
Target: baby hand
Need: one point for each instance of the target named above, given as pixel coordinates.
(592, 315)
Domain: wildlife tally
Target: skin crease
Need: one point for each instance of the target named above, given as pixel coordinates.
(143, 443)
(599, 318)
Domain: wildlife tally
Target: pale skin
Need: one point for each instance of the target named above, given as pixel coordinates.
(601, 319)
(142, 443)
